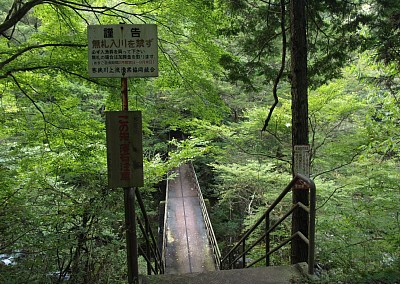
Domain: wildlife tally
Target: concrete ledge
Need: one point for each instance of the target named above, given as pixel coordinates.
(303, 268)
(259, 275)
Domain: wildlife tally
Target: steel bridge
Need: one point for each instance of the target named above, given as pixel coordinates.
(188, 252)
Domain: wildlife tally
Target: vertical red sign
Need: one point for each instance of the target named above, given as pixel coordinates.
(124, 149)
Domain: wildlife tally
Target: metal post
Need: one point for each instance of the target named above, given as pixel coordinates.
(131, 241)
(148, 248)
(244, 255)
(267, 241)
(130, 214)
(124, 93)
(311, 232)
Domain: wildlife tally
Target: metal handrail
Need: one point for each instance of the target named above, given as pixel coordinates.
(210, 231)
(164, 235)
(310, 241)
(152, 252)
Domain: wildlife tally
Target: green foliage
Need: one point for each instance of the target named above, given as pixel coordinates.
(357, 215)
(359, 224)
(246, 178)
(56, 208)
(218, 60)
(354, 139)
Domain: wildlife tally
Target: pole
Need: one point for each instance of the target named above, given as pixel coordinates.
(124, 93)
(130, 214)
(299, 119)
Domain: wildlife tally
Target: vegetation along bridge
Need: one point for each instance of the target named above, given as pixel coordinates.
(189, 251)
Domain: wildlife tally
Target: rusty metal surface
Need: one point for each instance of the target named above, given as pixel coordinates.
(187, 246)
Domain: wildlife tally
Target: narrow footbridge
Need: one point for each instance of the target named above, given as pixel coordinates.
(188, 251)
(187, 244)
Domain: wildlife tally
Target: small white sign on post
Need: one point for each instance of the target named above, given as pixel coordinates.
(302, 160)
(123, 50)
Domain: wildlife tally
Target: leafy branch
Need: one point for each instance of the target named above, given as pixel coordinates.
(43, 115)
(33, 102)
(33, 47)
(328, 134)
(260, 154)
(19, 10)
(330, 196)
(16, 13)
(339, 166)
(280, 73)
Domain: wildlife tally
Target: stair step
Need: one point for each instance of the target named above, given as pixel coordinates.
(259, 275)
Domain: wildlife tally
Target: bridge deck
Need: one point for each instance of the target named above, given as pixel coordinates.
(187, 247)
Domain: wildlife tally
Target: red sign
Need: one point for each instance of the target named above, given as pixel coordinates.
(124, 148)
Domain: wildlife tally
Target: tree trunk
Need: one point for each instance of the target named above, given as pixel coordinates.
(299, 117)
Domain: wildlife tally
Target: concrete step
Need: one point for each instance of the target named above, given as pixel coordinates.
(259, 275)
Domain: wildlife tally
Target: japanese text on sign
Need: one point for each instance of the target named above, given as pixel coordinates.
(302, 160)
(125, 171)
(124, 148)
(123, 51)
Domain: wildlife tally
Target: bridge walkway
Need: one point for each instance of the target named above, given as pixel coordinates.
(187, 246)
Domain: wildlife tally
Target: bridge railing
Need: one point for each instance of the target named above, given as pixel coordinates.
(243, 247)
(151, 253)
(164, 226)
(210, 231)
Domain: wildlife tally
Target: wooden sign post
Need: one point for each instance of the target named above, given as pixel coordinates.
(124, 51)
(125, 169)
